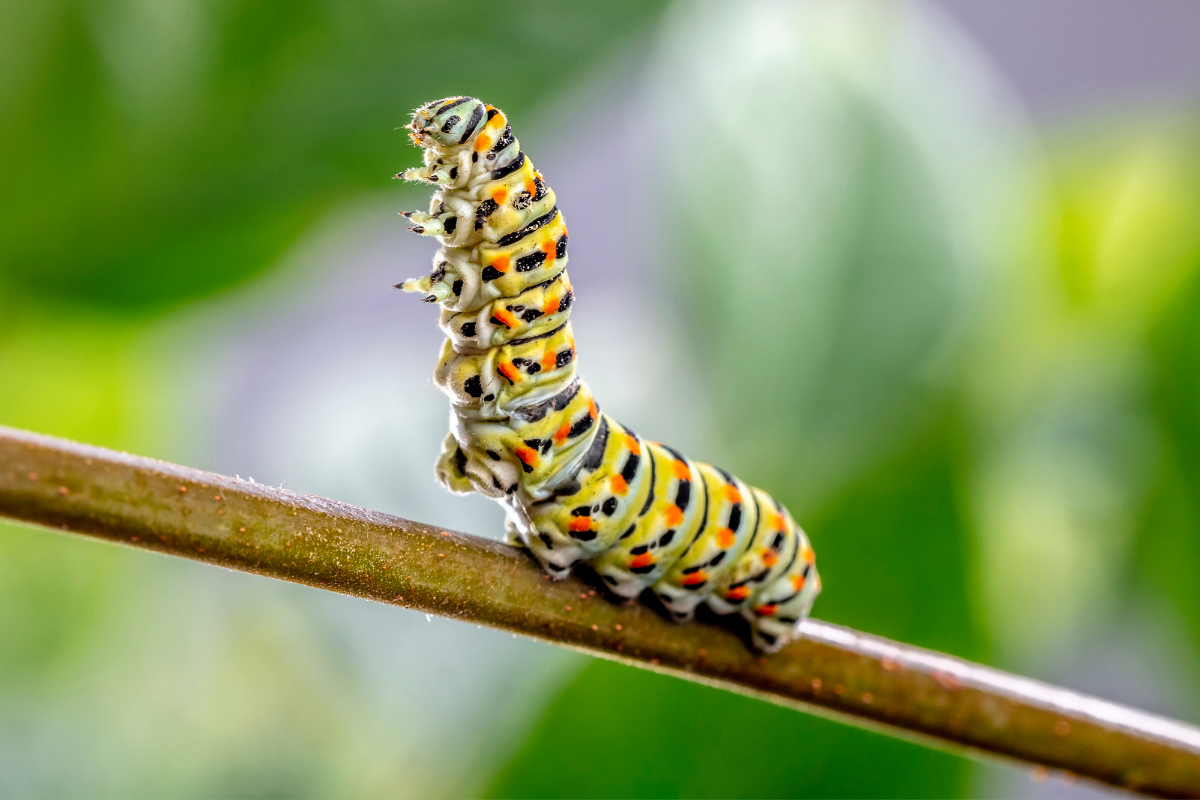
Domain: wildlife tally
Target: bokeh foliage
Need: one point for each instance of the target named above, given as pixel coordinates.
(159, 151)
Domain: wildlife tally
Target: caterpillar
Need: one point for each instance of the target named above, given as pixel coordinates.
(577, 486)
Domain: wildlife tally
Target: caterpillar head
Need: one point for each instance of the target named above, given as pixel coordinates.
(447, 123)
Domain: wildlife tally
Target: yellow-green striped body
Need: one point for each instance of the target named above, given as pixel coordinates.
(578, 487)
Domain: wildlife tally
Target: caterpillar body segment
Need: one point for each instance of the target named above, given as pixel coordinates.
(541, 308)
(577, 486)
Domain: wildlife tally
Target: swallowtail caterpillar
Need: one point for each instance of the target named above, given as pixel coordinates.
(577, 486)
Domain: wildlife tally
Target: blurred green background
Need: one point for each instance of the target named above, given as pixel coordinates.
(944, 301)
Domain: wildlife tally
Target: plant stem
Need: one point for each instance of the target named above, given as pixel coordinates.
(831, 670)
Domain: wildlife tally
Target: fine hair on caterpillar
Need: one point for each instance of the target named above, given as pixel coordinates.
(578, 488)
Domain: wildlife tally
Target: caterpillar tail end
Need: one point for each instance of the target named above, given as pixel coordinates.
(774, 625)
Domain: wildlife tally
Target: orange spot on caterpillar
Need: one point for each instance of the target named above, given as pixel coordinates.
(769, 558)
(551, 305)
(549, 360)
(530, 186)
(593, 409)
(510, 372)
(672, 515)
(776, 522)
(505, 317)
(807, 554)
(497, 122)
(726, 538)
(643, 560)
(681, 470)
(501, 264)
(798, 581)
(500, 195)
(633, 445)
(560, 435)
(618, 484)
(737, 593)
(483, 143)
(732, 494)
(580, 524)
(550, 249)
(695, 579)
(767, 610)
(527, 455)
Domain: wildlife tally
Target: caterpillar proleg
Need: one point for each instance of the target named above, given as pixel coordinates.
(577, 486)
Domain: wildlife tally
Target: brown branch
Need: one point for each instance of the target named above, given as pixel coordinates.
(860, 679)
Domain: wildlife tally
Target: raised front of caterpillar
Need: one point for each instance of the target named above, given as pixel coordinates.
(578, 487)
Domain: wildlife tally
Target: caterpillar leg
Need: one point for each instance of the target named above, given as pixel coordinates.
(556, 558)
(451, 281)
(443, 224)
(471, 461)
(443, 174)
(468, 464)
(444, 171)
(435, 288)
(451, 467)
(512, 529)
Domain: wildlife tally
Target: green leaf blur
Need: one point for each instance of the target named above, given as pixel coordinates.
(158, 152)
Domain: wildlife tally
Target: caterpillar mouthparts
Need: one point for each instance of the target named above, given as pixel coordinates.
(577, 486)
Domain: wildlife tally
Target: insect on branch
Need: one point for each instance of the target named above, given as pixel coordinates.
(834, 671)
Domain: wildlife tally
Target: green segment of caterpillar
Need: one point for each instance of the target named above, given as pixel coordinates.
(577, 486)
